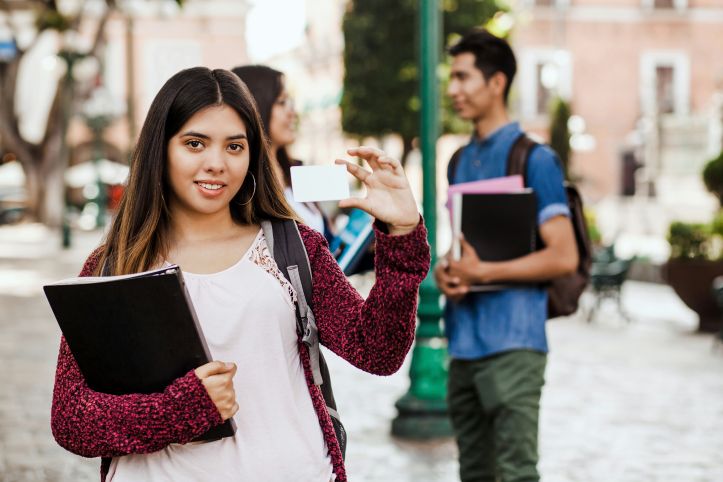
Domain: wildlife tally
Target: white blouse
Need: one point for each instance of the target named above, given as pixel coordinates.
(247, 316)
(309, 213)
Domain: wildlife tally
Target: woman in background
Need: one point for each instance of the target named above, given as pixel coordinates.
(268, 86)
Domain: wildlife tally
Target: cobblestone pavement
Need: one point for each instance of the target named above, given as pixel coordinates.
(623, 402)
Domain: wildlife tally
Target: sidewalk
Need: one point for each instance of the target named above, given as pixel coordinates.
(638, 402)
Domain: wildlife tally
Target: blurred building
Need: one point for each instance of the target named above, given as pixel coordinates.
(315, 77)
(644, 76)
(151, 41)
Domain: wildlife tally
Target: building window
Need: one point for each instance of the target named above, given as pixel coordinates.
(544, 75)
(665, 83)
(665, 4)
(664, 91)
(545, 79)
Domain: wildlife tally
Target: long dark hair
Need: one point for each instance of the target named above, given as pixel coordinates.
(139, 234)
(266, 85)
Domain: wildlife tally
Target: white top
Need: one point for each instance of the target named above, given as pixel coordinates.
(308, 212)
(247, 315)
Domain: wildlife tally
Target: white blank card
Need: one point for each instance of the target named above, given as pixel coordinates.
(319, 183)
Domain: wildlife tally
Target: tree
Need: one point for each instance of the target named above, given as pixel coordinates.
(381, 90)
(380, 84)
(461, 16)
(560, 134)
(44, 161)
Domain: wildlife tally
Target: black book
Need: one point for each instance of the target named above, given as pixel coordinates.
(500, 226)
(132, 333)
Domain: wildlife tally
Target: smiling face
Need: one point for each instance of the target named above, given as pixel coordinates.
(208, 159)
(473, 96)
(282, 125)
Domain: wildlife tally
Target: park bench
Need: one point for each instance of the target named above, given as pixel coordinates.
(607, 275)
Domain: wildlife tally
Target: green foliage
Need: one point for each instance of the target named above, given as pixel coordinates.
(713, 177)
(689, 240)
(701, 241)
(716, 226)
(381, 87)
(52, 19)
(559, 133)
(461, 16)
(592, 229)
(380, 84)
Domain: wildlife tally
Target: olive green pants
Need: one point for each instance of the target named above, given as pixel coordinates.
(494, 404)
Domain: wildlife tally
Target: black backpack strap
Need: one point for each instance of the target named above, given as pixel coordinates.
(519, 153)
(517, 165)
(453, 163)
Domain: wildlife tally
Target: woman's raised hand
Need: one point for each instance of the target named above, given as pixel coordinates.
(389, 198)
(217, 378)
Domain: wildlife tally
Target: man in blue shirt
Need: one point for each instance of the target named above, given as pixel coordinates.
(497, 339)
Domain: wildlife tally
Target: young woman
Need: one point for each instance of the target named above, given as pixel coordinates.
(200, 183)
(268, 86)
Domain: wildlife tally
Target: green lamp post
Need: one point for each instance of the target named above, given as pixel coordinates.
(423, 410)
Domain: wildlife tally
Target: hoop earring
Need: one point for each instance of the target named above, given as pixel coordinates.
(253, 193)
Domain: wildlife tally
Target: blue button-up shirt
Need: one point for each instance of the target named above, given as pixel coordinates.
(485, 323)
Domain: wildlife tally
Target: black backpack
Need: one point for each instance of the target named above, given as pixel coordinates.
(563, 292)
(288, 250)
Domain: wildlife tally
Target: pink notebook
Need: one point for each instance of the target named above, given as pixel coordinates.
(496, 185)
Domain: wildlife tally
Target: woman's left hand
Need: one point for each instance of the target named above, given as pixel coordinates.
(389, 198)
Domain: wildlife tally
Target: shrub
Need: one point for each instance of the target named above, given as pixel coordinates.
(689, 240)
(713, 177)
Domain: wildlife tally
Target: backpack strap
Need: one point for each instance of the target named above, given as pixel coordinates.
(517, 159)
(517, 165)
(287, 248)
(453, 164)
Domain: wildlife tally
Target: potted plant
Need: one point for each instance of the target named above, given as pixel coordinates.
(696, 256)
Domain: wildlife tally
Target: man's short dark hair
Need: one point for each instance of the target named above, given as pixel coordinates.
(492, 54)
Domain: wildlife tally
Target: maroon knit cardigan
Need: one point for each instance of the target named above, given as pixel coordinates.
(373, 335)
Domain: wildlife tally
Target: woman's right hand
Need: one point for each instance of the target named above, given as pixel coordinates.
(217, 378)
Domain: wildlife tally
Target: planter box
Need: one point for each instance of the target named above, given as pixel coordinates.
(692, 281)
(641, 270)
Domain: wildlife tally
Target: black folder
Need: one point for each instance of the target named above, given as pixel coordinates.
(500, 226)
(133, 333)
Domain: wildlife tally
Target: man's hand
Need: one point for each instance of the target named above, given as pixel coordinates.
(450, 286)
(469, 269)
(558, 257)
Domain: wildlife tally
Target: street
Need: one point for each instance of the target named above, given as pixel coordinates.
(623, 402)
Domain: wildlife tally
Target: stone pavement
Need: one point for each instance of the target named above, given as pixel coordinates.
(623, 402)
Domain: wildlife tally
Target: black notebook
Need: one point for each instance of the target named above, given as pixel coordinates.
(500, 226)
(133, 333)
